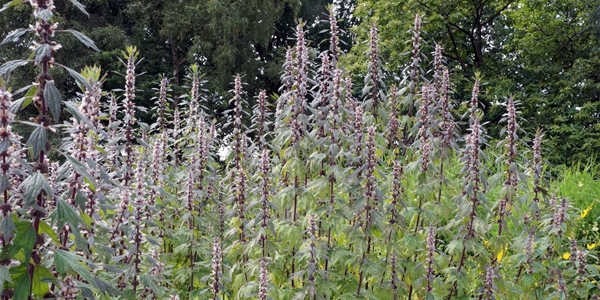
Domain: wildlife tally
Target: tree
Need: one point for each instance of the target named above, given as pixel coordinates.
(540, 52)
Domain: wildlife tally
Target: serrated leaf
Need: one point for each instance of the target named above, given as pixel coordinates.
(4, 183)
(45, 228)
(78, 77)
(22, 286)
(4, 276)
(53, 99)
(14, 35)
(66, 214)
(105, 287)
(33, 186)
(43, 50)
(68, 261)
(84, 39)
(11, 4)
(10, 66)
(80, 6)
(7, 225)
(79, 167)
(41, 278)
(44, 14)
(24, 101)
(25, 240)
(73, 110)
(37, 141)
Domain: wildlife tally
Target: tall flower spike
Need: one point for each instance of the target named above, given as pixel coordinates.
(370, 176)
(336, 102)
(6, 136)
(429, 260)
(448, 124)
(162, 104)
(334, 40)
(397, 190)
(263, 283)
(194, 95)
(261, 118)
(559, 217)
(489, 283)
(437, 68)
(312, 261)
(323, 97)
(301, 64)
(129, 106)
(393, 125)
(394, 273)
(474, 99)
(374, 67)
(358, 129)
(237, 121)
(416, 59)
(216, 269)
(537, 172)
(424, 120)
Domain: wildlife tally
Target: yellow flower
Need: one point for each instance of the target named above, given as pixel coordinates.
(591, 246)
(580, 184)
(500, 254)
(486, 242)
(585, 212)
(567, 255)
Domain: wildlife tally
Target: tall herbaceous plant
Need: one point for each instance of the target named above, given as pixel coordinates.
(332, 188)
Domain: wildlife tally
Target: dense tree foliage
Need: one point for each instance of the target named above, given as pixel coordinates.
(330, 194)
(544, 53)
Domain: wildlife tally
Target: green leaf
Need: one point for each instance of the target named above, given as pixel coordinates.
(68, 261)
(4, 276)
(80, 6)
(84, 39)
(10, 66)
(44, 14)
(45, 228)
(11, 4)
(14, 35)
(24, 101)
(33, 186)
(37, 141)
(66, 214)
(71, 108)
(25, 240)
(43, 50)
(78, 77)
(41, 278)
(79, 167)
(7, 225)
(53, 99)
(4, 182)
(22, 286)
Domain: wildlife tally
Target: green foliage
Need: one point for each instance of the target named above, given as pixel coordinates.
(540, 52)
(327, 197)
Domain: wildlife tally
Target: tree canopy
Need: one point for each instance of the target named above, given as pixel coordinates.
(544, 53)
